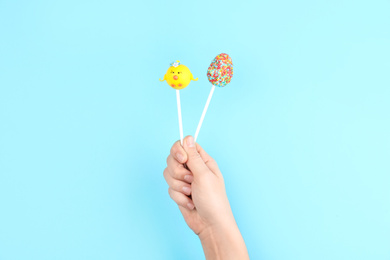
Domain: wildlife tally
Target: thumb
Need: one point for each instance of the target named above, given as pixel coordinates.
(195, 162)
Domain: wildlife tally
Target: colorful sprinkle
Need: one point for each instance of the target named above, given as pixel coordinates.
(220, 72)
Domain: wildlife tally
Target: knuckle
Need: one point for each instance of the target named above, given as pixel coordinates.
(195, 156)
(165, 173)
(167, 160)
(170, 192)
(172, 151)
(212, 160)
(177, 173)
(177, 187)
(174, 148)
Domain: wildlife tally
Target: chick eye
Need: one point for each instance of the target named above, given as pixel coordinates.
(178, 72)
(172, 72)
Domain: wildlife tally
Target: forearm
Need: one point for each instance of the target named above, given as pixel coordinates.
(223, 242)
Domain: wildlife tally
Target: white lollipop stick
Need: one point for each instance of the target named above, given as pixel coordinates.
(204, 112)
(179, 114)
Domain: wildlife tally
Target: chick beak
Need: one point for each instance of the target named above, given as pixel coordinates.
(175, 77)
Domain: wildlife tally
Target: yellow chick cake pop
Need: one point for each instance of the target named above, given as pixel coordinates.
(178, 76)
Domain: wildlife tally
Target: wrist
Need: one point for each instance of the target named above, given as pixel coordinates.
(223, 241)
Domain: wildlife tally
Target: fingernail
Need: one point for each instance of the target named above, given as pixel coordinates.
(179, 157)
(190, 141)
(188, 178)
(186, 189)
(190, 206)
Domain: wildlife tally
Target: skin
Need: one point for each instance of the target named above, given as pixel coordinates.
(207, 212)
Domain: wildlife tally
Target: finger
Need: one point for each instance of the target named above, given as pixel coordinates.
(178, 152)
(178, 171)
(181, 199)
(177, 185)
(208, 160)
(194, 162)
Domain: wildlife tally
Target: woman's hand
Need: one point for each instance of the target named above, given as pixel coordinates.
(202, 180)
(197, 186)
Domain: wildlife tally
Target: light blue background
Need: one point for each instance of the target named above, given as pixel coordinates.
(301, 134)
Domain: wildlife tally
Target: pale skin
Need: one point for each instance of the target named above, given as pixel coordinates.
(207, 211)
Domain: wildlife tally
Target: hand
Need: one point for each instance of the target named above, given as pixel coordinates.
(199, 190)
(203, 181)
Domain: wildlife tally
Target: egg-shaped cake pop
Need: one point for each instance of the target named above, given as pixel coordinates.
(220, 72)
(178, 76)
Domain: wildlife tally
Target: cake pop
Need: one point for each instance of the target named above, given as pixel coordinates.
(219, 73)
(178, 76)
